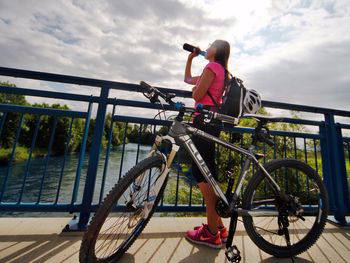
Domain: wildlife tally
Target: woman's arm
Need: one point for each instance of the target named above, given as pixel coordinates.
(188, 76)
(192, 80)
(203, 85)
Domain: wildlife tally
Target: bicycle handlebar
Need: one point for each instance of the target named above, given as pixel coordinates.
(226, 118)
(153, 93)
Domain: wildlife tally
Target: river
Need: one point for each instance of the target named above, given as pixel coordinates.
(52, 178)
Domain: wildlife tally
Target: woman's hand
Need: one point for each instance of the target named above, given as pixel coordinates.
(195, 53)
(188, 76)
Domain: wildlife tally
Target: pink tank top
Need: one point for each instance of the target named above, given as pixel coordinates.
(217, 86)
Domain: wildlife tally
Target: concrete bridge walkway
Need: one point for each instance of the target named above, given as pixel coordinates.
(41, 240)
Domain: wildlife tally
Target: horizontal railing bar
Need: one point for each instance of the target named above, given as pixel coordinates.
(139, 120)
(48, 94)
(343, 125)
(20, 73)
(121, 102)
(29, 74)
(32, 207)
(302, 121)
(141, 104)
(277, 132)
(304, 108)
(227, 127)
(42, 111)
(50, 207)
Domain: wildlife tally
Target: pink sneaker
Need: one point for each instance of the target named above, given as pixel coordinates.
(223, 232)
(203, 236)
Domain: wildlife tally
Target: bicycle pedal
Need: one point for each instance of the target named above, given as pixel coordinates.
(233, 254)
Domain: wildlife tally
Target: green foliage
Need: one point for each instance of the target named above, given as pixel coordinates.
(45, 130)
(183, 192)
(21, 153)
(146, 135)
(12, 119)
(11, 98)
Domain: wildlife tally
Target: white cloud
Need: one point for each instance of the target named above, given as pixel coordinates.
(290, 51)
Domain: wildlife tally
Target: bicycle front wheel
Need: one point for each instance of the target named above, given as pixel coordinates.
(297, 180)
(124, 213)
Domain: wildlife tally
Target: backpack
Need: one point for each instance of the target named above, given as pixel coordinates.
(232, 98)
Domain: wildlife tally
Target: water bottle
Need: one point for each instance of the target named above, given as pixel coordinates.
(191, 48)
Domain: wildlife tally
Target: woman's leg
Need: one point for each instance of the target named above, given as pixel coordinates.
(210, 200)
(206, 149)
(220, 223)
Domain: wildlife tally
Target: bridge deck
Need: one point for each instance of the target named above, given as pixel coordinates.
(41, 240)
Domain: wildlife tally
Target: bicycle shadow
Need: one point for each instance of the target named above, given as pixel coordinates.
(127, 258)
(281, 260)
(208, 254)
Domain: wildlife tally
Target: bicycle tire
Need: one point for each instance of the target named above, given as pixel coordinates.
(87, 249)
(317, 228)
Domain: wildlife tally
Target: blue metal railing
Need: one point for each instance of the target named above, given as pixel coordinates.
(39, 113)
(328, 146)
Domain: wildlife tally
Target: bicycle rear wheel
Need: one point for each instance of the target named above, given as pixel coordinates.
(119, 220)
(300, 181)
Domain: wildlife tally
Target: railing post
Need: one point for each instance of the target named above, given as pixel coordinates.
(93, 160)
(334, 169)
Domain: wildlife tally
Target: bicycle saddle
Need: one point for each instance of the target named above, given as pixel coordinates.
(262, 118)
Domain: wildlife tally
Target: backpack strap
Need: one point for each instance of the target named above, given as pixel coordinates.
(211, 97)
(216, 104)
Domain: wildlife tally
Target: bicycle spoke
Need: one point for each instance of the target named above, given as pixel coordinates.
(264, 198)
(106, 238)
(117, 228)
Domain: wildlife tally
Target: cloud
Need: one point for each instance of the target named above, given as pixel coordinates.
(290, 51)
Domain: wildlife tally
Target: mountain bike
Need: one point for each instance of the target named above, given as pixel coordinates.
(284, 205)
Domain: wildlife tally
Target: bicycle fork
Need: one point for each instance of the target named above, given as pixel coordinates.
(148, 204)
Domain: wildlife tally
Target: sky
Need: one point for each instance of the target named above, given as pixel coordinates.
(289, 51)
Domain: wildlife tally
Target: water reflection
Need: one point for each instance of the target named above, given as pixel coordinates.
(51, 180)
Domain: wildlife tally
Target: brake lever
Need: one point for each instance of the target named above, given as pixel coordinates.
(154, 98)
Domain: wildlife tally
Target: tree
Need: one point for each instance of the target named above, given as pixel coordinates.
(12, 119)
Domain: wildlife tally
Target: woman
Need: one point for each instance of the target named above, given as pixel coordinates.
(215, 73)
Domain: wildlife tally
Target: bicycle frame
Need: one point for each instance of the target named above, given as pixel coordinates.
(179, 132)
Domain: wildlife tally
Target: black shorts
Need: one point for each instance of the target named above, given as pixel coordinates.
(205, 148)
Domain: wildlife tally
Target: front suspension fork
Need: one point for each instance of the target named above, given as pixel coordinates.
(160, 180)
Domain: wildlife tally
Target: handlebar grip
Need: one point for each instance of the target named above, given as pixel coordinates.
(226, 118)
(145, 85)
